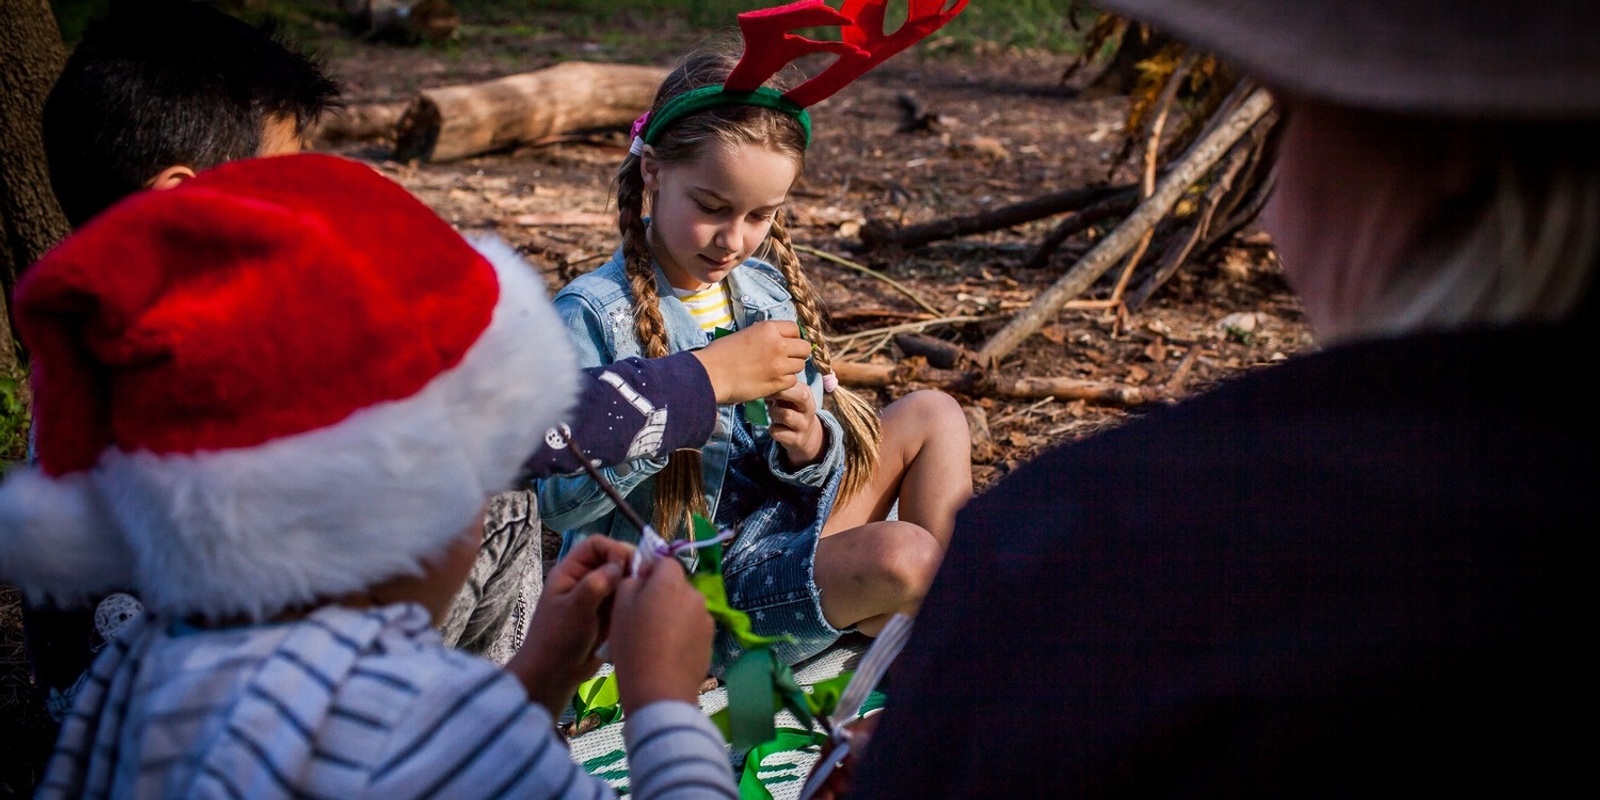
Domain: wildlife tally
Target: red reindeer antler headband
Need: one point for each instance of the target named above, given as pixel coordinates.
(769, 44)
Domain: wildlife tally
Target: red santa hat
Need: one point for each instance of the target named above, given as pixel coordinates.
(283, 380)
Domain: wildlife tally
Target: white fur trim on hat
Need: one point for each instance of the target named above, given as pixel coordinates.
(254, 530)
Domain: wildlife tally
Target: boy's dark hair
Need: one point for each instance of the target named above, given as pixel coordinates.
(155, 83)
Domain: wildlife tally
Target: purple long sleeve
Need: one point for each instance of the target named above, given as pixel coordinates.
(633, 408)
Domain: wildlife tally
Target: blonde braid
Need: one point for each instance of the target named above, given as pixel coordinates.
(679, 486)
(859, 418)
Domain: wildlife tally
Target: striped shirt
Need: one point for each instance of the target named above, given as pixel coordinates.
(710, 306)
(342, 704)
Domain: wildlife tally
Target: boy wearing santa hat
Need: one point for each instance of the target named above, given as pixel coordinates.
(278, 421)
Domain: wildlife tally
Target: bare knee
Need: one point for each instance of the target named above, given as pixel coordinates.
(931, 410)
(905, 558)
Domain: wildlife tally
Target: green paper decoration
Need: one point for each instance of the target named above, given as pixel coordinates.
(755, 411)
(707, 578)
(598, 696)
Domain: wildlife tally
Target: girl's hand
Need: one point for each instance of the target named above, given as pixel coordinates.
(754, 362)
(661, 637)
(570, 621)
(795, 426)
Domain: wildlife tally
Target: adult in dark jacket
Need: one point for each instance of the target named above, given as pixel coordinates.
(1355, 573)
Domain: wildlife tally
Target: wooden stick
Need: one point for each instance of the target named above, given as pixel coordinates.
(880, 234)
(1220, 186)
(1181, 375)
(871, 273)
(1115, 205)
(1095, 263)
(905, 327)
(938, 352)
(882, 376)
(1147, 182)
(605, 486)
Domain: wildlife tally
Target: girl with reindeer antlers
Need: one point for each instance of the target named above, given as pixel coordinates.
(808, 478)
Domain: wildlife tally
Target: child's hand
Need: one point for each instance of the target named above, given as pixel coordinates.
(660, 637)
(570, 621)
(795, 426)
(755, 362)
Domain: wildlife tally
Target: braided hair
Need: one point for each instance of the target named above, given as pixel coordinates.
(680, 487)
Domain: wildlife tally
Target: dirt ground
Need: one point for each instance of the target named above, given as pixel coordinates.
(1007, 132)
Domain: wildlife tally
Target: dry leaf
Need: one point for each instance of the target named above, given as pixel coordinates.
(984, 148)
(1054, 333)
(1156, 351)
(1137, 374)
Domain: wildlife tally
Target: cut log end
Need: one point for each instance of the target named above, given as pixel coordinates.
(417, 133)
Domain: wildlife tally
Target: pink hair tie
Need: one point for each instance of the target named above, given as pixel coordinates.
(830, 382)
(636, 147)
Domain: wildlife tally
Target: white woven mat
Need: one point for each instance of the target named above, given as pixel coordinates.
(601, 754)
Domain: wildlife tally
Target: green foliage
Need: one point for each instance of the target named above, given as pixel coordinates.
(13, 418)
(72, 16)
(1031, 24)
(1028, 24)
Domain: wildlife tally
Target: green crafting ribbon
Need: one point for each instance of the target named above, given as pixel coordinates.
(750, 700)
(755, 411)
(697, 100)
(759, 686)
(750, 785)
(707, 578)
(598, 696)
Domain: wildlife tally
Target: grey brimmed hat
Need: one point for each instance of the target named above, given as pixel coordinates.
(1532, 59)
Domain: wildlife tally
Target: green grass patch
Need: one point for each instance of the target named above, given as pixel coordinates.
(1027, 24)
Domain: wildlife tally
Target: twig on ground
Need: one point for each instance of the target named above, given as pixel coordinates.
(879, 233)
(1027, 411)
(871, 273)
(918, 326)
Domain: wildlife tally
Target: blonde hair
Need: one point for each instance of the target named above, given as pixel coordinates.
(680, 487)
(1524, 246)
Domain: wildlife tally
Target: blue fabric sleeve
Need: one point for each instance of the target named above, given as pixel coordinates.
(814, 475)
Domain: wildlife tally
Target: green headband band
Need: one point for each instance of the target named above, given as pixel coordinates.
(705, 97)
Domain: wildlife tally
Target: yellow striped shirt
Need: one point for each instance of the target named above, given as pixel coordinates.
(710, 306)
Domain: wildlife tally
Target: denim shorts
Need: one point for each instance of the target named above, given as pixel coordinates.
(772, 578)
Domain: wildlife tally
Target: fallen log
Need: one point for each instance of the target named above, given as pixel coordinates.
(938, 352)
(455, 122)
(883, 376)
(359, 122)
(880, 233)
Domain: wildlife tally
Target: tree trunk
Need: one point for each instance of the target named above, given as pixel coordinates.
(31, 54)
(455, 122)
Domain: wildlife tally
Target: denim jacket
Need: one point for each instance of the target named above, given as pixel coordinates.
(598, 311)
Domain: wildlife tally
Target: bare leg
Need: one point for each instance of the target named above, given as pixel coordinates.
(925, 462)
(868, 574)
